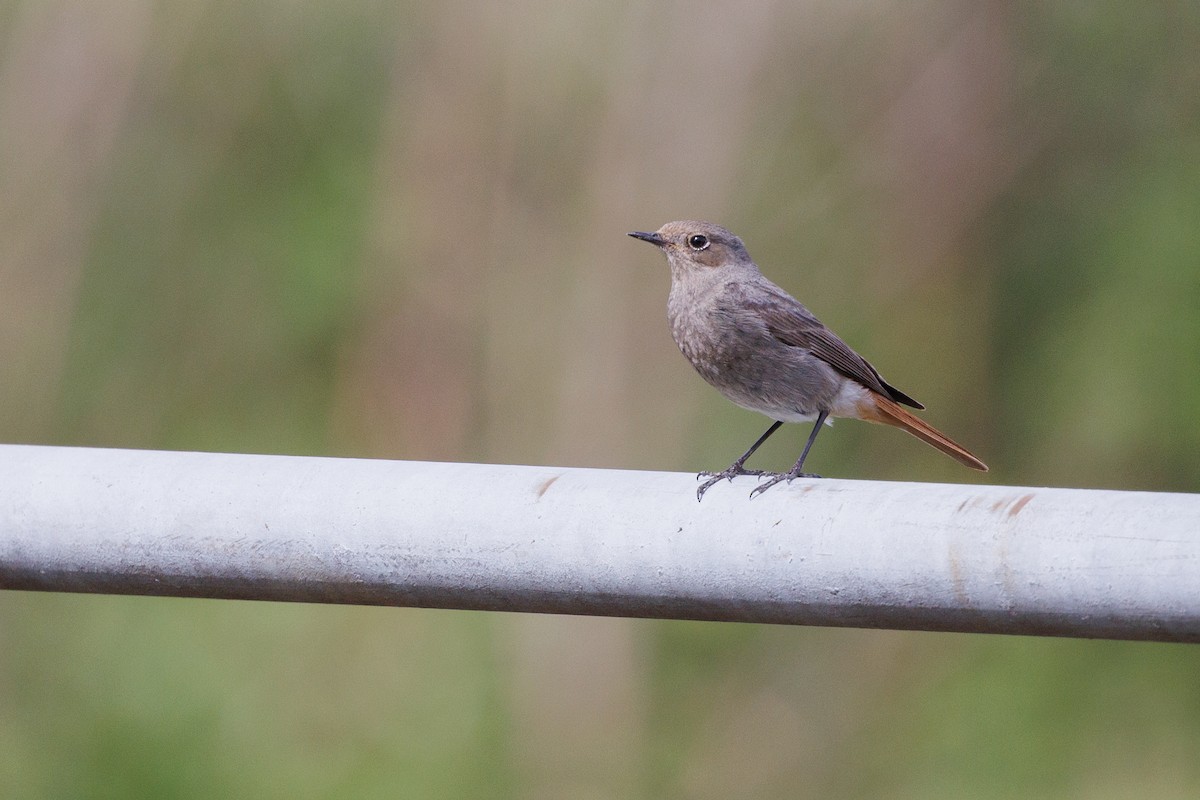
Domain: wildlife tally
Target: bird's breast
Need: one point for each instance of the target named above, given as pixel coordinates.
(710, 337)
(733, 350)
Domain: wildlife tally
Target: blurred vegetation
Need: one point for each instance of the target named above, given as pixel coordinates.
(397, 230)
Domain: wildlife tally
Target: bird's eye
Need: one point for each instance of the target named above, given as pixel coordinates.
(698, 241)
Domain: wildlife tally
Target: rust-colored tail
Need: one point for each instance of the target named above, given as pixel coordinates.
(889, 413)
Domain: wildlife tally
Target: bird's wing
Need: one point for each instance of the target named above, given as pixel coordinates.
(794, 325)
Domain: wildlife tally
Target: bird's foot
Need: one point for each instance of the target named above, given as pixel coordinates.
(777, 477)
(735, 469)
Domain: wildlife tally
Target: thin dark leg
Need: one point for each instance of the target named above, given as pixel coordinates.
(797, 470)
(736, 468)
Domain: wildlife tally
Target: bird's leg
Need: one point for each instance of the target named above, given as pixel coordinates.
(737, 467)
(795, 472)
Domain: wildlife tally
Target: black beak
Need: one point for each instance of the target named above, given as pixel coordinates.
(652, 238)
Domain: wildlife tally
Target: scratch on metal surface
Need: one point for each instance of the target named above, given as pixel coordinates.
(1020, 504)
(545, 485)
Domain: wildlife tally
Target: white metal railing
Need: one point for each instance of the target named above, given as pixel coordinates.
(996, 559)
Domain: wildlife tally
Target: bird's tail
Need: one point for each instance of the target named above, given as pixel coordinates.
(880, 409)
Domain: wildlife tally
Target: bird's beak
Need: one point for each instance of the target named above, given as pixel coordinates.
(652, 238)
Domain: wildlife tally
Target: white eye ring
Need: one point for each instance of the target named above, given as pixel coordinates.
(698, 241)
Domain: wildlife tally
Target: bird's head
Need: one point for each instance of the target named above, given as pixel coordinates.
(690, 246)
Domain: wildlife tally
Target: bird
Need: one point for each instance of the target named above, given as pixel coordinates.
(764, 351)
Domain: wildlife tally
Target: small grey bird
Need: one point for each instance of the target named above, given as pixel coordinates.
(766, 352)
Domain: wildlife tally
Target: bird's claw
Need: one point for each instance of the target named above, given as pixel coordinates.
(776, 477)
(728, 474)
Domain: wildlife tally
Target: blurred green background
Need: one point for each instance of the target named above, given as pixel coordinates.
(398, 230)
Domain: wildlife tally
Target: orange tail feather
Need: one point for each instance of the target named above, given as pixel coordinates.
(881, 409)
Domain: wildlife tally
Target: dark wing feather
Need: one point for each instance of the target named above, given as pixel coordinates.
(794, 325)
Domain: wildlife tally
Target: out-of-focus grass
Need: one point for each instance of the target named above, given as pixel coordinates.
(113, 697)
(398, 230)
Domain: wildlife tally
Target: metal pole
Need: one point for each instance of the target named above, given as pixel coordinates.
(995, 559)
